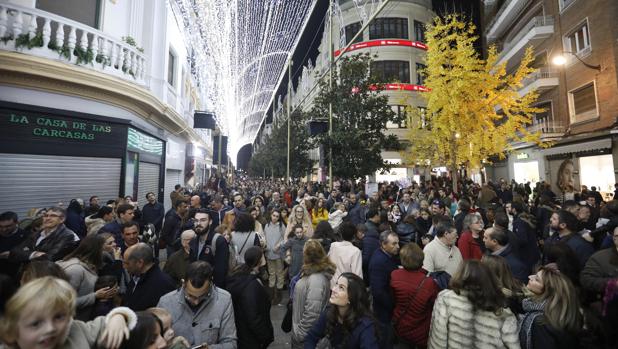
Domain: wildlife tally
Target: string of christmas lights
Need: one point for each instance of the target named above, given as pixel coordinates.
(241, 48)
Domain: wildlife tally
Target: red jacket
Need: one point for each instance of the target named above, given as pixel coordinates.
(469, 248)
(414, 325)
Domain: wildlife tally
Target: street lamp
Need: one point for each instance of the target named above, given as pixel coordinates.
(561, 60)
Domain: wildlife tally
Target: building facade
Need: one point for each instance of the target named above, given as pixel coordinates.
(397, 38)
(579, 96)
(97, 98)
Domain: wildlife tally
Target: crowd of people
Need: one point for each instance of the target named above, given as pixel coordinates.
(498, 265)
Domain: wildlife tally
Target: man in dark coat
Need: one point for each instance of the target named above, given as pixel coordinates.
(496, 241)
(371, 241)
(153, 212)
(125, 213)
(147, 282)
(355, 211)
(564, 223)
(53, 242)
(11, 236)
(524, 242)
(201, 248)
(172, 224)
(380, 267)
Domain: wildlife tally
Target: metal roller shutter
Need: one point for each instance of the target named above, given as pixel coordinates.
(30, 181)
(148, 181)
(172, 177)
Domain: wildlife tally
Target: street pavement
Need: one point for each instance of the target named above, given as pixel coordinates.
(282, 339)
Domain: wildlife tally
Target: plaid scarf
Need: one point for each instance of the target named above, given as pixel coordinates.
(532, 310)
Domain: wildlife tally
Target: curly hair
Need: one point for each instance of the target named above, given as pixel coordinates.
(315, 259)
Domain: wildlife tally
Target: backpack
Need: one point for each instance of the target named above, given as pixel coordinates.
(239, 251)
(231, 260)
(442, 278)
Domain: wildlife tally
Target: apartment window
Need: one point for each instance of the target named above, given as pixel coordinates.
(391, 71)
(583, 103)
(400, 110)
(419, 31)
(351, 30)
(420, 74)
(578, 40)
(171, 64)
(388, 28)
(545, 115)
(565, 3)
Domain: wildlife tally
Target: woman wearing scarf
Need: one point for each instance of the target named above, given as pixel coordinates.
(552, 317)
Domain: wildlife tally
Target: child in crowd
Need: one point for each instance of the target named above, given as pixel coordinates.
(102, 306)
(40, 314)
(337, 216)
(295, 244)
(172, 341)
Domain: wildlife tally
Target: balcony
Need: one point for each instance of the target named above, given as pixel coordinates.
(549, 129)
(539, 28)
(504, 17)
(542, 79)
(43, 34)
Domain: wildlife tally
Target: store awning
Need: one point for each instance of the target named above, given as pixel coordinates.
(605, 143)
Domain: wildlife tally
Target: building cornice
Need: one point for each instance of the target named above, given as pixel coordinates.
(43, 74)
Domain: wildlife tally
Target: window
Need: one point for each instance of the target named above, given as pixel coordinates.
(400, 110)
(420, 74)
(171, 64)
(419, 31)
(391, 71)
(351, 30)
(87, 12)
(388, 28)
(578, 40)
(583, 103)
(565, 3)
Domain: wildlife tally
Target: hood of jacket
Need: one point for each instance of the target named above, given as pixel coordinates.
(90, 221)
(236, 283)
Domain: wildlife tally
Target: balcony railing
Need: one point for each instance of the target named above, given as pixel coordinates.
(40, 33)
(538, 28)
(543, 78)
(546, 126)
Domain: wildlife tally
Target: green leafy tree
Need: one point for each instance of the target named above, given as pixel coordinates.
(360, 114)
(271, 157)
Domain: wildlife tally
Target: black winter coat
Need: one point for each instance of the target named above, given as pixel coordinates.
(151, 286)
(251, 311)
(57, 245)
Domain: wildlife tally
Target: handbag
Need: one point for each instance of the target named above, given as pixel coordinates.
(407, 307)
(286, 323)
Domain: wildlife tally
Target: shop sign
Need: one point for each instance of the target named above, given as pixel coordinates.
(522, 156)
(143, 142)
(55, 127)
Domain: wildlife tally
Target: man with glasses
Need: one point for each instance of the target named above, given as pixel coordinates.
(202, 312)
(203, 248)
(53, 242)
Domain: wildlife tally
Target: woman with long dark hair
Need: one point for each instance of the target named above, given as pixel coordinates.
(347, 322)
(147, 334)
(81, 266)
(251, 302)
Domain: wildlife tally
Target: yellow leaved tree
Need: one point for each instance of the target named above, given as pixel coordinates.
(473, 108)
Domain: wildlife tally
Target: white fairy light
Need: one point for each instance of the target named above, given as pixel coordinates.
(241, 51)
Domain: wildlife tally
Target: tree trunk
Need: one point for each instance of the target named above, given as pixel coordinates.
(454, 162)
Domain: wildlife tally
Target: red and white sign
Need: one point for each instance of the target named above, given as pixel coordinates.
(405, 87)
(376, 43)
